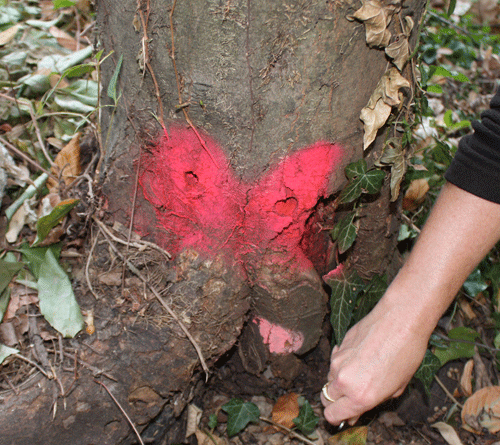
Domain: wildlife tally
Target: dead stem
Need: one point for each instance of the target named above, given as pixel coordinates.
(141, 244)
(32, 363)
(158, 297)
(122, 410)
(87, 266)
(19, 153)
(289, 431)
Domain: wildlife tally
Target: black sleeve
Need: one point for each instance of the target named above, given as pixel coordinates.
(476, 165)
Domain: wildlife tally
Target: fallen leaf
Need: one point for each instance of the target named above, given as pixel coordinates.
(204, 438)
(466, 378)
(376, 18)
(67, 163)
(415, 194)
(448, 433)
(374, 119)
(286, 409)
(351, 436)
(7, 35)
(482, 410)
(193, 419)
(63, 38)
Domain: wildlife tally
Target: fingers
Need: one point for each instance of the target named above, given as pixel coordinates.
(342, 409)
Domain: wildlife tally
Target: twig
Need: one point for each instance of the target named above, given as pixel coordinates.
(137, 244)
(87, 275)
(95, 370)
(410, 223)
(160, 299)
(35, 125)
(122, 410)
(32, 363)
(19, 153)
(289, 431)
(448, 393)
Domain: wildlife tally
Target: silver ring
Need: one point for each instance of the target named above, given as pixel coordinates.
(341, 425)
(324, 391)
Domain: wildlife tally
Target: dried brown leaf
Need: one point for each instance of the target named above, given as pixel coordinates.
(415, 194)
(399, 51)
(351, 436)
(482, 410)
(384, 97)
(63, 38)
(7, 35)
(448, 433)
(376, 18)
(204, 439)
(67, 163)
(466, 379)
(286, 409)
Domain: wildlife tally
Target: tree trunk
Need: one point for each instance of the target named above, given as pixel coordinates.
(233, 123)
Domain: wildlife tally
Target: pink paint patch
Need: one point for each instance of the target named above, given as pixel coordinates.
(334, 274)
(279, 339)
(200, 203)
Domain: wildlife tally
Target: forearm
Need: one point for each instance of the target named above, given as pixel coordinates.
(460, 231)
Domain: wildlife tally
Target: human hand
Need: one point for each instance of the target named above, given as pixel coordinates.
(375, 362)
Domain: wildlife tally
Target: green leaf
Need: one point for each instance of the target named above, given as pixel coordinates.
(345, 232)
(4, 302)
(370, 297)
(307, 419)
(355, 169)
(114, 80)
(34, 256)
(57, 301)
(240, 414)
(212, 421)
(475, 283)
(63, 3)
(79, 70)
(8, 270)
(5, 351)
(345, 290)
(46, 223)
(372, 181)
(427, 370)
(437, 89)
(451, 7)
(462, 347)
(351, 192)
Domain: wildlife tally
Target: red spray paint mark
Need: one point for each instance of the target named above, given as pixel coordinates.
(201, 204)
(279, 339)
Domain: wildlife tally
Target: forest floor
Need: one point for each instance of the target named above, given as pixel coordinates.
(415, 418)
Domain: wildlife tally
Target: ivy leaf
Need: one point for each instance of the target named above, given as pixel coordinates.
(345, 290)
(351, 192)
(355, 169)
(240, 414)
(345, 232)
(114, 80)
(370, 297)
(307, 420)
(427, 370)
(372, 181)
(8, 270)
(63, 3)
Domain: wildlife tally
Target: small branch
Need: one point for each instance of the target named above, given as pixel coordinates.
(32, 363)
(448, 393)
(122, 410)
(289, 431)
(137, 244)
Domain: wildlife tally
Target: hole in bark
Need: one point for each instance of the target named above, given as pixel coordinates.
(191, 178)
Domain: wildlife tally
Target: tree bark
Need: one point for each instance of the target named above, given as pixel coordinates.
(232, 125)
